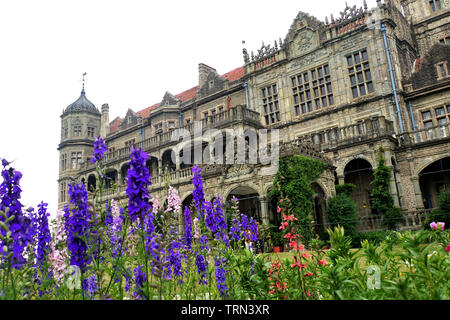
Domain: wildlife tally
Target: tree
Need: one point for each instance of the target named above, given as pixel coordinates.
(293, 181)
(382, 200)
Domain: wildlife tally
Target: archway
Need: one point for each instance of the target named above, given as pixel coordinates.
(360, 173)
(319, 208)
(167, 162)
(248, 201)
(111, 178)
(92, 182)
(152, 166)
(434, 179)
(123, 173)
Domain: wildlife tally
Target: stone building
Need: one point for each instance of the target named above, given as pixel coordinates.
(336, 90)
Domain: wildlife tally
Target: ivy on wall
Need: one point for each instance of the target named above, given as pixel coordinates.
(293, 181)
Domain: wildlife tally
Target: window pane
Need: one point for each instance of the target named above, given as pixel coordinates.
(368, 75)
(318, 106)
(428, 124)
(269, 91)
(329, 87)
(442, 120)
(440, 111)
(353, 80)
(364, 55)
(350, 61)
(370, 87)
(426, 115)
(357, 58)
(331, 99)
(305, 76)
(310, 106)
(264, 92)
(297, 110)
(362, 89)
(320, 71)
(327, 70)
(294, 82)
(274, 89)
(324, 102)
(355, 92)
(296, 99)
(313, 74)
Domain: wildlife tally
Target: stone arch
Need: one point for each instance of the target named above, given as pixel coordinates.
(111, 175)
(248, 200)
(123, 172)
(319, 207)
(91, 182)
(433, 179)
(434, 159)
(359, 172)
(340, 170)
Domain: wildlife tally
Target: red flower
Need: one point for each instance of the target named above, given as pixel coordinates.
(447, 248)
(323, 262)
(306, 255)
(309, 274)
(284, 225)
(298, 264)
(279, 209)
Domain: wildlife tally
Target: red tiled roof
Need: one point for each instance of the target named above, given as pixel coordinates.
(234, 74)
(114, 125)
(187, 95)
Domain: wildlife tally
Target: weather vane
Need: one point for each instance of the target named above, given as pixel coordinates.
(84, 74)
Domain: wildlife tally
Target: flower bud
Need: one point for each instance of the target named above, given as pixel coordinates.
(5, 249)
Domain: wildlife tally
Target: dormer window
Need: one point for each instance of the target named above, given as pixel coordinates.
(442, 70)
(91, 132)
(158, 127)
(435, 5)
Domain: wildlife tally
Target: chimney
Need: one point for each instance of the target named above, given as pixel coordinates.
(203, 72)
(104, 125)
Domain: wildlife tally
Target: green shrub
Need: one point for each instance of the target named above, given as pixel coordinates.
(342, 211)
(346, 189)
(375, 237)
(443, 213)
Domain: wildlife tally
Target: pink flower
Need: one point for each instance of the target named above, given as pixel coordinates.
(174, 201)
(447, 248)
(279, 209)
(323, 262)
(155, 206)
(437, 226)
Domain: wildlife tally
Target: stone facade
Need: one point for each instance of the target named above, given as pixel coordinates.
(336, 90)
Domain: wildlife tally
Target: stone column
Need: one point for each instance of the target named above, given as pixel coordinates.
(418, 193)
(264, 204)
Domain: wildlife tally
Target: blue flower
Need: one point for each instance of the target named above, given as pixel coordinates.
(100, 148)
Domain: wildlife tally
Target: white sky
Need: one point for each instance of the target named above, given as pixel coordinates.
(133, 52)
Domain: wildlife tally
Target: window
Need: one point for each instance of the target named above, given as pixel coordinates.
(77, 131)
(436, 117)
(62, 190)
(205, 114)
(271, 108)
(130, 143)
(435, 5)
(65, 132)
(171, 125)
(188, 121)
(361, 81)
(91, 132)
(75, 159)
(63, 162)
(220, 109)
(445, 40)
(158, 127)
(111, 149)
(442, 70)
(312, 90)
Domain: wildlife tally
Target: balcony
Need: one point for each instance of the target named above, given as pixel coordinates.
(219, 120)
(360, 132)
(434, 134)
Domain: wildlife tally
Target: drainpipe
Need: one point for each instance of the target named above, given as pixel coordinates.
(413, 123)
(391, 72)
(246, 95)
(180, 117)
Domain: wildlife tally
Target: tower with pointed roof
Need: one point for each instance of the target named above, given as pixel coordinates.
(80, 125)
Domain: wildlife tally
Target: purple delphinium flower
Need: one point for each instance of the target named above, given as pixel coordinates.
(139, 279)
(215, 220)
(43, 234)
(100, 148)
(77, 226)
(220, 273)
(202, 265)
(138, 181)
(174, 259)
(21, 227)
(90, 286)
(198, 193)
(187, 228)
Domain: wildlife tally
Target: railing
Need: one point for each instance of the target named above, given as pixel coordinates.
(361, 131)
(237, 113)
(414, 220)
(426, 135)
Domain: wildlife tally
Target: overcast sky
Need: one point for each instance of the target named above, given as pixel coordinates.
(133, 52)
